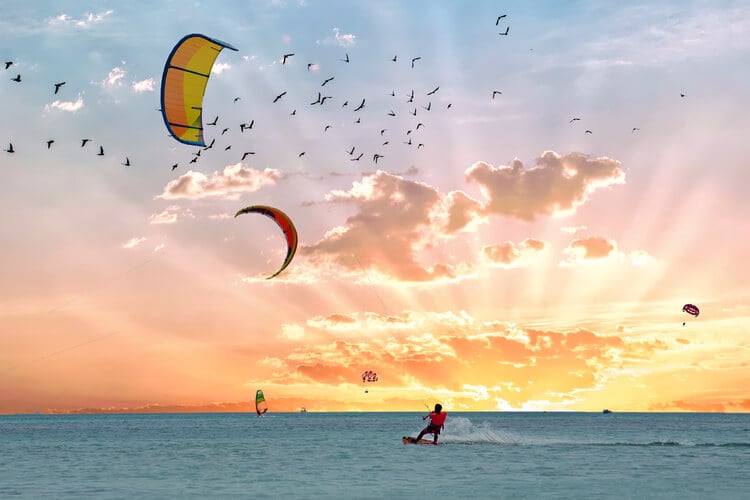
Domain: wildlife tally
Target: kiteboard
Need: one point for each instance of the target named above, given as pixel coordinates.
(411, 440)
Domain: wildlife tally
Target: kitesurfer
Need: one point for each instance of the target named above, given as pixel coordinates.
(437, 422)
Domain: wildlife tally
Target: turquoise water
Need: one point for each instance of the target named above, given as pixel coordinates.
(360, 455)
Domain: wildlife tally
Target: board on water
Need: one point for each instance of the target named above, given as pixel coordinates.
(411, 440)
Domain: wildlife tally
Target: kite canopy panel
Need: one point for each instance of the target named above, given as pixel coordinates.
(183, 84)
(286, 225)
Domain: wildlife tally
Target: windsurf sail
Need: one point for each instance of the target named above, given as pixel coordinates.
(261, 406)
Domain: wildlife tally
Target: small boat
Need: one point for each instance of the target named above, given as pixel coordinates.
(303, 410)
(606, 411)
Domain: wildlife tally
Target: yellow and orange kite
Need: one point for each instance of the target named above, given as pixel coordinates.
(184, 83)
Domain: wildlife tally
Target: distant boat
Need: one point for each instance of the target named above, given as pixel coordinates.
(606, 411)
(303, 410)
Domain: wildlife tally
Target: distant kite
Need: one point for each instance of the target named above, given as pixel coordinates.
(691, 310)
(183, 84)
(286, 225)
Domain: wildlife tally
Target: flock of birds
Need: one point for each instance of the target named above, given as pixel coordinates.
(414, 104)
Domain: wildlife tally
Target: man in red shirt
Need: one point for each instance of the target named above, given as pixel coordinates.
(437, 422)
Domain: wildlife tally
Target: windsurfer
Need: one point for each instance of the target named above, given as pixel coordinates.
(437, 422)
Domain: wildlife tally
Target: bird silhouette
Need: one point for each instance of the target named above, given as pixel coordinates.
(408, 142)
(386, 143)
(429, 105)
(588, 132)
(394, 58)
(382, 131)
(346, 103)
(414, 59)
(301, 154)
(58, 85)
(324, 99)
(420, 145)
(49, 143)
(10, 148)
(326, 128)
(376, 157)
(279, 96)
(285, 57)
(432, 92)
(244, 155)
(194, 160)
(326, 81)
(84, 141)
(101, 151)
(175, 166)
(228, 148)
(352, 151)
(358, 120)
(127, 162)
(573, 120)
(210, 145)
(495, 92)
(357, 158)
(347, 58)
(224, 131)
(414, 112)
(681, 95)
(361, 105)
(309, 65)
(17, 78)
(634, 129)
(449, 105)
(420, 125)
(317, 101)
(393, 93)
(8, 64)
(506, 31)
(498, 19)
(391, 113)
(214, 122)
(294, 112)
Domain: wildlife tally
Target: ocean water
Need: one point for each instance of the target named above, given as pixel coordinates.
(360, 455)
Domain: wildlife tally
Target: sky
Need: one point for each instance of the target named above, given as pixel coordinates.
(543, 204)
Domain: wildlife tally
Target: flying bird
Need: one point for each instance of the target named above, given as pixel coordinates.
(237, 99)
(382, 131)
(101, 151)
(10, 148)
(49, 143)
(347, 58)
(414, 112)
(127, 162)
(358, 120)
(326, 128)
(634, 129)
(495, 92)
(324, 99)
(346, 103)
(58, 85)
(294, 112)
(244, 126)
(414, 60)
(326, 81)
(210, 145)
(283, 61)
(394, 58)
(224, 131)
(436, 89)
(214, 122)
(588, 132)
(376, 157)
(573, 120)
(681, 95)
(228, 148)
(391, 113)
(362, 105)
(194, 160)
(506, 31)
(420, 125)
(498, 19)
(429, 105)
(244, 155)
(175, 166)
(352, 151)
(310, 65)
(17, 78)
(301, 154)
(317, 101)
(420, 145)
(8, 64)
(279, 96)
(357, 158)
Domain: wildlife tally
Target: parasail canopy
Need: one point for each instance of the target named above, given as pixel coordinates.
(183, 84)
(691, 309)
(286, 225)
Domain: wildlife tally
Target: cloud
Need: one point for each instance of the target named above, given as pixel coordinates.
(114, 77)
(219, 68)
(84, 22)
(69, 106)
(230, 183)
(556, 185)
(593, 248)
(641, 258)
(412, 214)
(133, 242)
(165, 217)
(341, 39)
(510, 255)
(146, 85)
(572, 229)
(292, 332)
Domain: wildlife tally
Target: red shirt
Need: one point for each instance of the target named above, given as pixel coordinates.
(438, 418)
